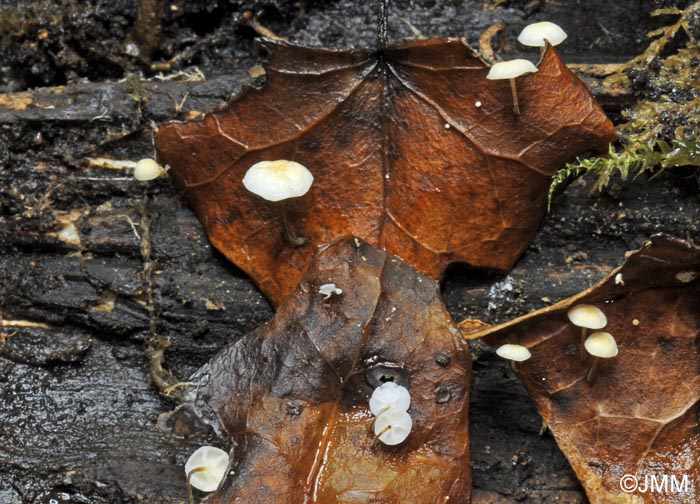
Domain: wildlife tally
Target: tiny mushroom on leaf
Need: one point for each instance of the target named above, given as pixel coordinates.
(393, 426)
(513, 353)
(511, 70)
(278, 181)
(601, 345)
(644, 417)
(586, 316)
(389, 396)
(334, 112)
(292, 395)
(206, 468)
(329, 289)
(147, 169)
(542, 33)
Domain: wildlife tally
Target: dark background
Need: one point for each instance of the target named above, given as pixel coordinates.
(77, 403)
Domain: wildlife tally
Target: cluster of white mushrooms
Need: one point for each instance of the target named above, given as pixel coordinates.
(599, 345)
(390, 403)
(534, 35)
(280, 180)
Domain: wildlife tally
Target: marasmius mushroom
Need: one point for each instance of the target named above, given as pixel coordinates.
(205, 469)
(540, 34)
(511, 70)
(600, 345)
(147, 169)
(513, 353)
(390, 403)
(393, 426)
(586, 316)
(389, 395)
(277, 181)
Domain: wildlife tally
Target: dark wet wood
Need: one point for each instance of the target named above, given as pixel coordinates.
(86, 428)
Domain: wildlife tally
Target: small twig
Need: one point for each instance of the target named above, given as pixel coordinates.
(111, 164)
(486, 42)
(383, 24)
(261, 30)
(416, 32)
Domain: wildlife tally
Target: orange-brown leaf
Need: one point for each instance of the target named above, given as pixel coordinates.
(412, 149)
(293, 395)
(640, 415)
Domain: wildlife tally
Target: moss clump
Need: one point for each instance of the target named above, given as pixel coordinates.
(663, 129)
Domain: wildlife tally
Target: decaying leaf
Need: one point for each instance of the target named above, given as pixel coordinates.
(292, 396)
(412, 149)
(640, 414)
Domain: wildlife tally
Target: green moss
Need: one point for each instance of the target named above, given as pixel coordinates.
(663, 129)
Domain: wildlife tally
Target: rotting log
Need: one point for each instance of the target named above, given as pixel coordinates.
(77, 402)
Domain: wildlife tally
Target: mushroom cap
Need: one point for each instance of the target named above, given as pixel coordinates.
(538, 34)
(147, 169)
(588, 316)
(400, 423)
(389, 395)
(601, 344)
(329, 289)
(215, 463)
(278, 180)
(511, 69)
(517, 353)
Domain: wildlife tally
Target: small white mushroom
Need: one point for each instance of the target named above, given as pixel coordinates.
(206, 467)
(601, 345)
(328, 290)
(513, 353)
(278, 181)
(687, 276)
(586, 316)
(511, 70)
(393, 426)
(389, 396)
(147, 169)
(542, 33)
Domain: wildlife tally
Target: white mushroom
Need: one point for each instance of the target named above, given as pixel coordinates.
(601, 345)
(586, 316)
(147, 169)
(687, 276)
(511, 70)
(542, 33)
(206, 467)
(393, 426)
(513, 353)
(278, 181)
(328, 290)
(389, 396)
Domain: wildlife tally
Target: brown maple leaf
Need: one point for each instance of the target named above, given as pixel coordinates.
(638, 420)
(412, 149)
(293, 395)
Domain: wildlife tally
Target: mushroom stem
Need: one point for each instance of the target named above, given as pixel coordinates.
(583, 340)
(288, 232)
(591, 370)
(382, 432)
(514, 365)
(516, 108)
(189, 486)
